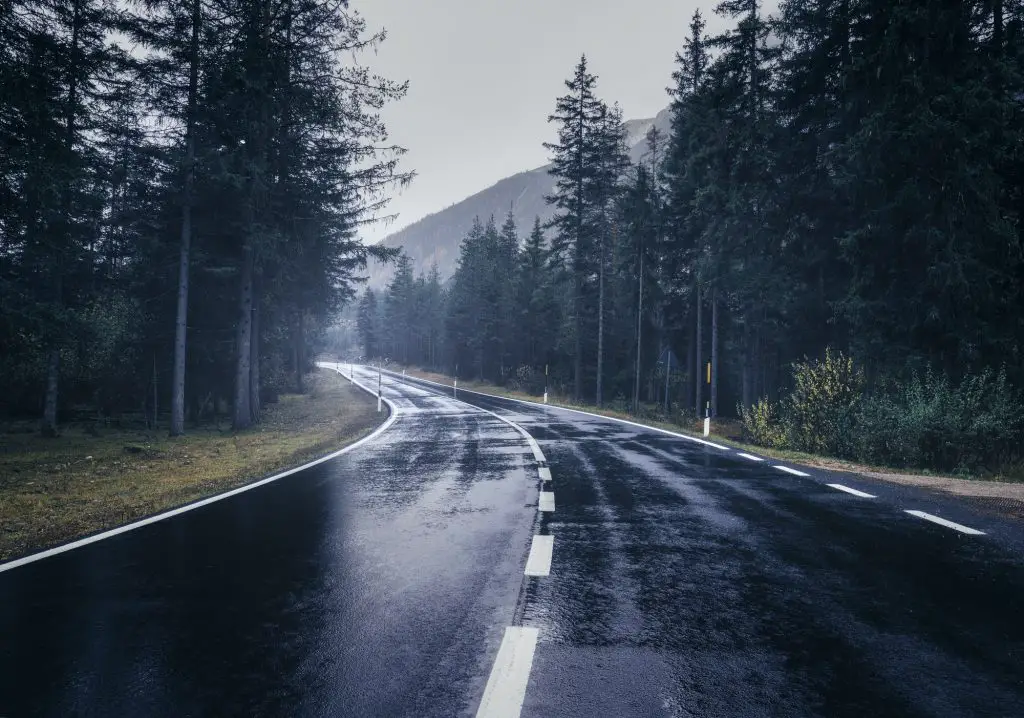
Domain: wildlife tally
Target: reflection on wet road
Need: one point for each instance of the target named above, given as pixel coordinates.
(418, 575)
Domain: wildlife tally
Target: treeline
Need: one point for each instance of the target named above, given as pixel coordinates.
(844, 174)
(181, 182)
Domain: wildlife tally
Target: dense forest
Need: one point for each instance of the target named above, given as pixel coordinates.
(830, 237)
(181, 186)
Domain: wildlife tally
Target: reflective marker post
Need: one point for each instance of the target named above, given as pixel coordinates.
(378, 387)
(545, 383)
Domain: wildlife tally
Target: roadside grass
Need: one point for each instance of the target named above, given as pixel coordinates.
(1007, 484)
(56, 490)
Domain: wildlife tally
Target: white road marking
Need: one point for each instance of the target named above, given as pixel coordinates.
(791, 471)
(749, 456)
(219, 497)
(539, 562)
(506, 686)
(948, 524)
(855, 492)
(545, 473)
(547, 501)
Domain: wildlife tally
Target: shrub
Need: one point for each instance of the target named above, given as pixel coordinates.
(762, 425)
(820, 413)
(930, 422)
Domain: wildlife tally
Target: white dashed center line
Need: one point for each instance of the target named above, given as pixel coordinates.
(749, 456)
(545, 473)
(848, 490)
(539, 562)
(791, 471)
(506, 686)
(547, 501)
(948, 524)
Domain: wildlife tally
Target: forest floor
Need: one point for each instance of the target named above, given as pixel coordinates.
(56, 490)
(1003, 493)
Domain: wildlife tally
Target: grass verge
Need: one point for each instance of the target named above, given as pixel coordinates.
(56, 490)
(1004, 492)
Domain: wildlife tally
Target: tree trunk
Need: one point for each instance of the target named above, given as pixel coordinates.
(242, 409)
(300, 352)
(748, 363)
(255, 407)
(639, 325)
(49, 423)
(49, 427)
(156, 406)
(714, 352)
(698, 375)
(181, 317)
(600, 322)
(577, 380)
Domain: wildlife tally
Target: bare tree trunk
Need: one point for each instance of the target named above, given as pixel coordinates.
(698, 377)
(748, 351)
(49, 423)
(156, 406)
(577, 380)
(255, 407)
(181, 317)
(49, 427)
(242, 409)
(714, 352)
(639, 325)
(300, 352)
(600, 322)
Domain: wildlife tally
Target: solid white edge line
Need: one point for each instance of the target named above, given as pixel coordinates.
(210, 499)
(577, 411)
(790, 471)
(944, 522)
(546, 502)
(506, 686)
(544, 472)
(534, 446)
(855, 492)
(749, 456)
(539, 561)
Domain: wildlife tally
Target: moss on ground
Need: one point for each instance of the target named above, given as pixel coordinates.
(56, 490)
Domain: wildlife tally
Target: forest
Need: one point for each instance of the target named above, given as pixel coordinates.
(828, 243)
(181, 187)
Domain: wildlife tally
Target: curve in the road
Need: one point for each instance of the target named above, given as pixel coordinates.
(32, 558)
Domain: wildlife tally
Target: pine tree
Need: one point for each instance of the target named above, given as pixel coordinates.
(578, 114)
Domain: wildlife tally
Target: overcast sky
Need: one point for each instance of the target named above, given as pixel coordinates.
(484, 74)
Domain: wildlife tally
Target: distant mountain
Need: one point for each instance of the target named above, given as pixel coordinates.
(436, 237)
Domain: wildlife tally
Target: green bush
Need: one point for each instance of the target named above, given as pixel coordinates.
(762, 425)
(819, 415)
(930, 422)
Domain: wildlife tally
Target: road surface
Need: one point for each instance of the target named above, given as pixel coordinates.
(435, 570)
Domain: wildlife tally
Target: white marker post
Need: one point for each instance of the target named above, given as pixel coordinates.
(455, 383)
(707, 421)
(545, 383)
(378, 389)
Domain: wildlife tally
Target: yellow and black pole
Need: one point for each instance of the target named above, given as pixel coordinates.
(707, 409)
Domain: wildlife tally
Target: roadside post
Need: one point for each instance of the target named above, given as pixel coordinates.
(707, 410)
(545, 383)
(378, 387)
(455, 383)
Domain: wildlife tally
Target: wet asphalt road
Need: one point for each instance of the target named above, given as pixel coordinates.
(685, 581)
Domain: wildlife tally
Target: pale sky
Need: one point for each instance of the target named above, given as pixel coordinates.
(484, 74)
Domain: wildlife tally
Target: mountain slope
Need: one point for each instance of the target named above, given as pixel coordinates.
(436, 237)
